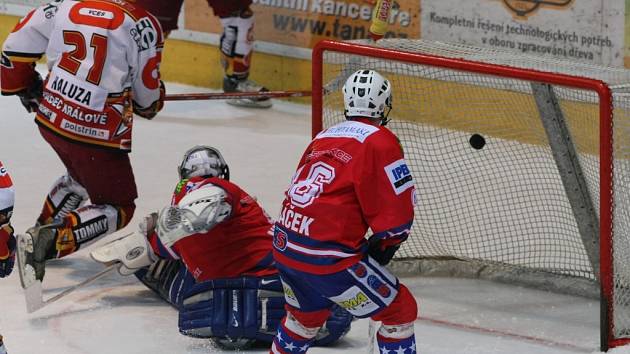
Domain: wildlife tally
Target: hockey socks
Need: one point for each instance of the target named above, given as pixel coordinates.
(287, 342)
(395, 345)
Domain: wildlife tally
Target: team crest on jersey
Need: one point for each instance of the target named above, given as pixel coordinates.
(280, 239)
(399, 175)
(144, 34)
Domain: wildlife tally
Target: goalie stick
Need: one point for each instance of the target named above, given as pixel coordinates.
(33, 291)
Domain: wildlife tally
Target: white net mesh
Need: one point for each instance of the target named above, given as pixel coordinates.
(500, 199)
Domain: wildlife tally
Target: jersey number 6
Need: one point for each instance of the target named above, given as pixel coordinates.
(304, 192)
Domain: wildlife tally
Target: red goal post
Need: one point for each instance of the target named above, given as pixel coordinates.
(334, 61)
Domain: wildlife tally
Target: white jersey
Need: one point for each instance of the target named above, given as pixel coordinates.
(96, 50)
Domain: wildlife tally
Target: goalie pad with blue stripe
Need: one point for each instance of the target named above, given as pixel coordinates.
(234, 312)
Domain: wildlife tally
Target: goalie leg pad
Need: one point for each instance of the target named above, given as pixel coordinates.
(234, 312)
(168, 278)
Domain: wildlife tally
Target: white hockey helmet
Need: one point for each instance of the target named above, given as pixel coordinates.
(367, 93)
(202, 160)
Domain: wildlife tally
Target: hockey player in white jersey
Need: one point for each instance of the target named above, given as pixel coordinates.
(103, 59)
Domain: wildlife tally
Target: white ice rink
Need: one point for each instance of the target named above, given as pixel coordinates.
(117, 315)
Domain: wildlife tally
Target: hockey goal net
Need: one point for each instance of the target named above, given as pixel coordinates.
(521, 163)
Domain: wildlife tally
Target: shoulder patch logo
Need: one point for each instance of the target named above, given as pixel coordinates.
(144, 34)
(399, 175)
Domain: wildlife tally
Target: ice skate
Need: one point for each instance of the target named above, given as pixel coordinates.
(35, 247)
(245, 85)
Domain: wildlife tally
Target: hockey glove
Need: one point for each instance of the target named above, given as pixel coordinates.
(381, 250)
(154, 108)
(31, 96)
(7, 250)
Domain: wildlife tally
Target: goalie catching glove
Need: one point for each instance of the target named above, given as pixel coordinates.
(197, 212)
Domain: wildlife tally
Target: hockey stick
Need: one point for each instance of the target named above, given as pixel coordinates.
(235, 95)
(33, 292)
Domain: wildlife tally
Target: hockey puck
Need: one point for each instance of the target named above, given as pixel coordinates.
(477, 141)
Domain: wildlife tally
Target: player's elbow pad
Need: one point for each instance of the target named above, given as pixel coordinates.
(152, 110)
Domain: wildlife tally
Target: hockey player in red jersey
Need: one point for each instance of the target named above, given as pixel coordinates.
(209, 255)
(7, 240)
(236, 44)
(103, 59)
(351, 177)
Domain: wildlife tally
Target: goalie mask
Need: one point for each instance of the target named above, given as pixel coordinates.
(367, 93)
(203, 161)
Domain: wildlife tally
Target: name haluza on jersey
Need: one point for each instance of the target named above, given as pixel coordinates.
(71, 91)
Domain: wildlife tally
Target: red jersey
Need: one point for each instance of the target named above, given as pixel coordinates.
(166, 11)
(7, 195)
(237, 246)
(97, 51)
(6, 209)
(351, 177)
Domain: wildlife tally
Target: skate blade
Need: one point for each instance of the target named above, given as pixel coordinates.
(26, 271)
(247, 103)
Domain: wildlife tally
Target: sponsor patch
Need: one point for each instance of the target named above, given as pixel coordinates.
(399, 175)
(356, 302)
(134, 253)
(101, 134)
(289, 295)
(349, 129)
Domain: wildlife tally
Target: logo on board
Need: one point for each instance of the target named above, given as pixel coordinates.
(526, 8)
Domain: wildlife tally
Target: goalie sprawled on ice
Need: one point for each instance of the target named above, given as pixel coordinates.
(209, 255)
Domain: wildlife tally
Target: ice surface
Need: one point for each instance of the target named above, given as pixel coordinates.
(117, 315)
